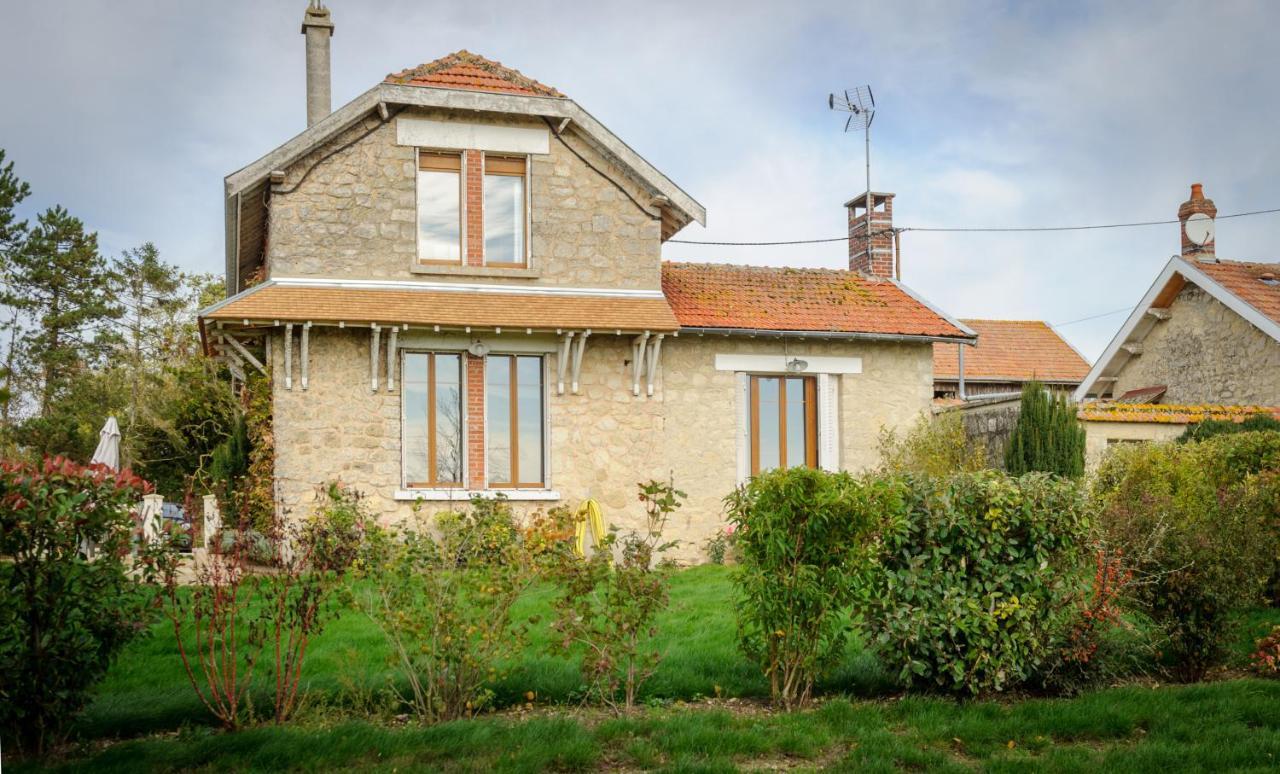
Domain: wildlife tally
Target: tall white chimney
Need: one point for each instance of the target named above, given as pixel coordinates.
(318, 28)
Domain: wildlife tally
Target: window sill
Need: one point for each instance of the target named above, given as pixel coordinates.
(474, 271)
(463, 495)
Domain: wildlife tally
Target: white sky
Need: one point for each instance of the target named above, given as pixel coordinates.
(130, 113)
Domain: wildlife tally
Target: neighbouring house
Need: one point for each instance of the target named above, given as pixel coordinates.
(456, 287)
(1204, 341)
(1008, 354)
(984, 382)
(1206, 332)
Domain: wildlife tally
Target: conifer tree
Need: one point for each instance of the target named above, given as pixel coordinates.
(12, 233)
(1047, 437)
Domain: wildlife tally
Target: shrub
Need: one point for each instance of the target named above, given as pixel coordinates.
(1047, 437)
(975, 578)
(932, 446)
(483, 533)
(1265, 658)
(1210, 428)
(63, 618)
(1196, 523)
(448, 624)
(802, 540)
(607, 603)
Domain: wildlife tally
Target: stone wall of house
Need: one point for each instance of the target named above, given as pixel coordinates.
(1206, 353)
(991, 423)
(603, 440)
(352, 214)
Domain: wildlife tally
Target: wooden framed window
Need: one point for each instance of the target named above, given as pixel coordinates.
(439, 207)
(784, 422)
(505, 210)
(515, 422)
(431, 394)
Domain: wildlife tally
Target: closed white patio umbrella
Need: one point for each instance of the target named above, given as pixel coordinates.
(108, 451)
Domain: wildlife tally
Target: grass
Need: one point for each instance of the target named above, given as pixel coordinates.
(147, 701)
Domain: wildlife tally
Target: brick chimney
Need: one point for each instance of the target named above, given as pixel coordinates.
(1198, 205)
(318, 28)
(879, 218)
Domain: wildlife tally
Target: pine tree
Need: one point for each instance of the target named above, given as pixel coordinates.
(1048, 437)
(65, 290)
(12, 233)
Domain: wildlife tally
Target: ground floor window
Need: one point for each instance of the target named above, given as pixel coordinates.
(514, 399)
(432, 400)
(784, 422)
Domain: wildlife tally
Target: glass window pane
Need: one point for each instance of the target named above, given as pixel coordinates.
(529, 416)
(414, 397)
(498, 418)
(503, 219)
(448, 419)
(439, 216)
(796, 430)
(767, 432)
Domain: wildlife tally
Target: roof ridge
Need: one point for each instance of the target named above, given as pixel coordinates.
(421, 75)
(967, 320)
(757, 267)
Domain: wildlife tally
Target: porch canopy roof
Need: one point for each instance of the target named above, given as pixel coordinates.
(443, 305)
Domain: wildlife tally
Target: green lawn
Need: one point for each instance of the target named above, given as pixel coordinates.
(1226, 724)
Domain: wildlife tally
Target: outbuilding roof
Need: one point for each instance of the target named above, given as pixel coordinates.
(772, 299)
(1161, 413)
(1012, 351)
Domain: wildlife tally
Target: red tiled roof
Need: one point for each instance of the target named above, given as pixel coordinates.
(1012, 350)
(782, 299)
(1244, 279)
(465, 70)
(1170, 414)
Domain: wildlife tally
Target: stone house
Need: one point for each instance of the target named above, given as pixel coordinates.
(455, 285)
(1203, 341)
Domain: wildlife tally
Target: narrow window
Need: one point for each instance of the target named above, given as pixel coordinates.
(439, 207)
(514, 421)
(504, 211)
(432, 397)
(784, 422)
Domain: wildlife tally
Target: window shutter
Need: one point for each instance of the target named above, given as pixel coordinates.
(829, 422)
(447, 162)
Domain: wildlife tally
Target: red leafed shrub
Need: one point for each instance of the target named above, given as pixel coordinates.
(1110, 576)
(67, 603)
(1266, 654)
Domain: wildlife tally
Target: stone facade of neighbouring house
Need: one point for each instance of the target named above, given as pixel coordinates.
(700, 374)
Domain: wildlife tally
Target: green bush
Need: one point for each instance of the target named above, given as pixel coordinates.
(1214, 427)
(483, 533)
(932, 446)
(1197, 523)
(976, 577)
(802, 540)
(63, 618)
(1048, 437)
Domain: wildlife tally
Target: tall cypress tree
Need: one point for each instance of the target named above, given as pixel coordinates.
(1048, 436)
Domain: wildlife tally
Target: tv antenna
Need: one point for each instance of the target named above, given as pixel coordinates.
(860, 104)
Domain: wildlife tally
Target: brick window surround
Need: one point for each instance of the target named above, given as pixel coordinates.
(475, 422)
(473, 177)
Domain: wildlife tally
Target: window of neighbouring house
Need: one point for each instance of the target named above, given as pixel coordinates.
(514, 421)
(783, 422)
(504, 210)
(439, 207)
(431, 394)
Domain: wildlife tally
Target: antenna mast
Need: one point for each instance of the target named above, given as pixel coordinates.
(860, 104)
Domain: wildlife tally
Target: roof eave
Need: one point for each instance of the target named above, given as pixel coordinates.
(818, 334)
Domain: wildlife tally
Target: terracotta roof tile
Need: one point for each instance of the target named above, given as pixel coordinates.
(705, 295)
(472, 72)
(447, 307)
(1244, 279)
(1012, 350)
(1162, 413)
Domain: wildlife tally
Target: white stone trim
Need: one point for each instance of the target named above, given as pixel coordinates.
(829, 422)
(818, 364)
(466, 135)
(465, 495)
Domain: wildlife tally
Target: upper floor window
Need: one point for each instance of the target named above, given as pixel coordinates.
(439, 207)
(504, 210)
(784, 422)
(431, 396)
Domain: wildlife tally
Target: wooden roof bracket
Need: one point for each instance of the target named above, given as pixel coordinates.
(579, 345)
(303, 347)
(637, 361)
(391, 359)
(375, 334)
(562, 360)
(245, 354)
(651, 368)
(288, 356)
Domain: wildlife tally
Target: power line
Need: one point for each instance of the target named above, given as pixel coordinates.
(1091, 317)
(973, 229)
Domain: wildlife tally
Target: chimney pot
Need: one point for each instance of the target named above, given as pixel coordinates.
(1197, 192)
(318, 28)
